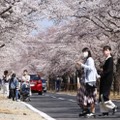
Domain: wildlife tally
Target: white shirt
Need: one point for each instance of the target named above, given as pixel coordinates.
(26, 78)
(108, 57)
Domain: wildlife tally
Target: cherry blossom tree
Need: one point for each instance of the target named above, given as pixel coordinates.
(81, 23)
(17, 18)
(88, 22)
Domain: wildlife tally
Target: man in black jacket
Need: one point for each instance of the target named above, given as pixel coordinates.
(106, 83)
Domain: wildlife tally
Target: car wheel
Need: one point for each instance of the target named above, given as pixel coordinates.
(40, 93)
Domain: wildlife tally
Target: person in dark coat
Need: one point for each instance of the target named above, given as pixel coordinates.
(106, 83)
(58, 81)
(13, 87)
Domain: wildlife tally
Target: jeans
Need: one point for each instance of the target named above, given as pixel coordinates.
(17, 94)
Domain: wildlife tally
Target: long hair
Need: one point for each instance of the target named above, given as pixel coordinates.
(87, 50)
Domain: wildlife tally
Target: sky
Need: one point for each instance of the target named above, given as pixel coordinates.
(42, 26)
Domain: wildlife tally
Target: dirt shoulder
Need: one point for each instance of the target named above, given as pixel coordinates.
(12, 110)
(74, 93)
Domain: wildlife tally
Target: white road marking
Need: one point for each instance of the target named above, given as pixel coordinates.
(66, 94)
(71, 100)
(61, 98)
(44, 115)
(47, 95)
(53, 97)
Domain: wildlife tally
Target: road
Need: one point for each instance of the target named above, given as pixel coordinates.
(63, 107)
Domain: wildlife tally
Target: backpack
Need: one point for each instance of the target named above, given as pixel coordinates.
(12, 84)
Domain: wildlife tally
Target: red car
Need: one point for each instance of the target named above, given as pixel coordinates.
(36, 84)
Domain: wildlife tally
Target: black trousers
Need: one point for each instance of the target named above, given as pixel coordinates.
(13, 93)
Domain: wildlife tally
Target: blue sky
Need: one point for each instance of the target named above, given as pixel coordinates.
(42, 25)
(45, 23)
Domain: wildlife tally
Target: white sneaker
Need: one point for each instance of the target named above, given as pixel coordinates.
(18, 100)
(90, 115)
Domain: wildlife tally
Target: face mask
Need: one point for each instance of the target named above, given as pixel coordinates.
(85, 54)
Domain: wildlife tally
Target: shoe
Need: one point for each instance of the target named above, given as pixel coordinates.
(114, 110)
(104, 114)
(84, 113)
(8, 97)
(17, 100)
(91, 115)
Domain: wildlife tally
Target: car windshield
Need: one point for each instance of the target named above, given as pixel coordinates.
(34, 77)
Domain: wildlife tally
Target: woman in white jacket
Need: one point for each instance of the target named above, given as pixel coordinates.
(6, 79)
(87, 93)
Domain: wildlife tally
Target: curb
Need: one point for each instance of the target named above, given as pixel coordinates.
(44, 115)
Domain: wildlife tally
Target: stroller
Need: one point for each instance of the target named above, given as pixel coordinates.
(25, 92)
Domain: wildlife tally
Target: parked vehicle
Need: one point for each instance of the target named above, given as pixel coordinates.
(44, 85)
(36, 84)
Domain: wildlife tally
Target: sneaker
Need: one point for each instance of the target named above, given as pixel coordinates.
(84, 113)
(18, 100)
(114, 110)
(104, 114)
(90, 115)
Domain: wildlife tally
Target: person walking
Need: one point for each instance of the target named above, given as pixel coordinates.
(14, 87)
(6, 79)
(57, 82)
(10, 76)
(87, 93)
(106, 83)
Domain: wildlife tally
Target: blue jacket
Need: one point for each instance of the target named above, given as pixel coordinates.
(14, 83)
(90, 72)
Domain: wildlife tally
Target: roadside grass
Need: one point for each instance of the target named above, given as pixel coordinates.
(12, 110)
(113, 96)
(4, 109)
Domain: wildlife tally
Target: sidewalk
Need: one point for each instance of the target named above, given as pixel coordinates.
(12, 110)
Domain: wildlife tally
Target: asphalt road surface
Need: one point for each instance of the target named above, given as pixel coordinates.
(64, 107)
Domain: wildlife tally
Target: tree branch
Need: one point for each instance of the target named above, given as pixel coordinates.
(87, 17)
(113, 16)
(6, 10)
(1, 46)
